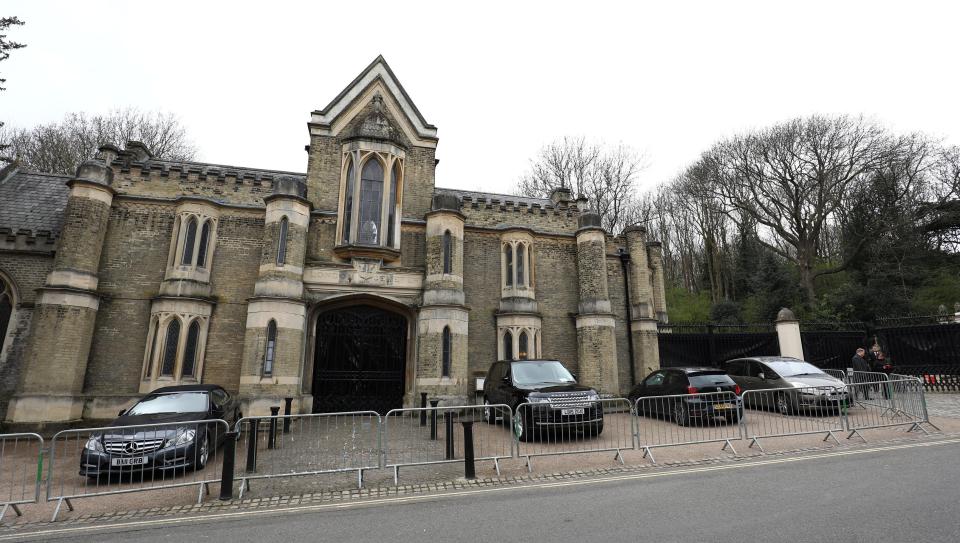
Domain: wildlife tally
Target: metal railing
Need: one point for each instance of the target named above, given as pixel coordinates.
(839, 374)
(296, 445)
(135, 458)
(687, 419)
(436, 435)
(881, 404)
(574, 427)
(21, 470)
(794, 411)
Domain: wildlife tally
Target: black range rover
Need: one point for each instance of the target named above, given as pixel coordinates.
(558, 402)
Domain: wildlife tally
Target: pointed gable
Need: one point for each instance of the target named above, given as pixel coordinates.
(376, 80)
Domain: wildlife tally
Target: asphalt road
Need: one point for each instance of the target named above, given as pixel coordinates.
(895, 493)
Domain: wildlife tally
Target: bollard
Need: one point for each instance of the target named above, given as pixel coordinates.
(469, 468)
(226, 476)
(272, 438)
(448, 420)
(433, 419)
(287, 406)
(252, 446)
(423, 405)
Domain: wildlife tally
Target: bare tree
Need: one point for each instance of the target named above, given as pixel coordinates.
(603, 174)
(5, 47)
(62, 146)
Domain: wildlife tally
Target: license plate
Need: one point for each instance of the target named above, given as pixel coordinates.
(567, 412)
(723, 406)
(129, 461)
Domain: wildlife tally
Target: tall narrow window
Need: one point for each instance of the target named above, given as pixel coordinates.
(447, 252)
(371, 198)
(204, 245)
(446, 351)
(153, 346)
(282, 241)
(521, 260)
(188, 241)
(6, 310)
(522, 347)
(190, 349)
(271, 348)
(348, 202)
(391, 228)
(507, 345)
(170, 347)
(508, 258)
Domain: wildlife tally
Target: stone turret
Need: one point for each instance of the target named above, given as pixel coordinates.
(442, 322)
(596, 343)
(55, 360)
(643, 319)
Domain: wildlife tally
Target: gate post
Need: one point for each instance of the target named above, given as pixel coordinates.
(788, 334)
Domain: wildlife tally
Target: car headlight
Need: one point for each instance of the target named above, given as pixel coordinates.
(93, 444)
(538, 399)
(592, 396)
(184, 437)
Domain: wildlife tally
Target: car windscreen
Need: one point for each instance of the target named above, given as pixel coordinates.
(707, 379)
(535, 373)
(789, 368)
(177, 402)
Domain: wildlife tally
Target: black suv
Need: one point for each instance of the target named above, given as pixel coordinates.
(559, 403)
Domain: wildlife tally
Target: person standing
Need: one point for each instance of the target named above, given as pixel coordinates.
(859, 363)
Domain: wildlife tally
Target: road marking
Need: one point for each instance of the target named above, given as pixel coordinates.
(144, 524)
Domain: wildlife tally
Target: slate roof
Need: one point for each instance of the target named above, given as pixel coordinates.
(488, 196)
(32, 201)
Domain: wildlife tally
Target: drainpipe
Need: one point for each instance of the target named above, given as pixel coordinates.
(624, 260)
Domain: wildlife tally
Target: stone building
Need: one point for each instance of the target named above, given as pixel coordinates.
(357, 285)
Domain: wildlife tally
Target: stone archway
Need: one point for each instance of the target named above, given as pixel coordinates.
(360, 359)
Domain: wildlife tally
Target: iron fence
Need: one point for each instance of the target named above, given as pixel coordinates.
(21, 469)
(577, 426)
(707, 344)
(135, 458)
(436, 435)
(687, 419)
(794, 411)
(297, 445)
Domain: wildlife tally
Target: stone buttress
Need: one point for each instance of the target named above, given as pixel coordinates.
(596, 344)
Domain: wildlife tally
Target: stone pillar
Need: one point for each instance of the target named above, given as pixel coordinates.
(596, 344)
(278, 305)
(643, 324)
(443, 307)
(655, 254)
(55, 360)
(788, 334)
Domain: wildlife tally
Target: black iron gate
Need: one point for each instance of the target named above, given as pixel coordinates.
(714, 344)
(360, 359)
(832, 345)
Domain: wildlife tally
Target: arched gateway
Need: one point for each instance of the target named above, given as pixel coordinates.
(360, 358)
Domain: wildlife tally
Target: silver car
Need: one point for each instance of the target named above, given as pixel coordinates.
(800, 385)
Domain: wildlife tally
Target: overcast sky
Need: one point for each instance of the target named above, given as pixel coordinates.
(499, 80)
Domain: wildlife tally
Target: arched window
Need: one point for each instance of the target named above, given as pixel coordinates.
(447, 252)
(204, 245)
(391, 241)
(188, 241)
(521, 259)
(153, 346)
(446, 351)
(6, 310)
(170, 347)
(508, 258)
(523, 353)
(271, 351)
(507, 345)
(348, 202)
(190, 349)
(282, 241)
(371, 198)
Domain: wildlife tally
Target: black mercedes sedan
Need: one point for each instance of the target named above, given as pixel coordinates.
(170, 430)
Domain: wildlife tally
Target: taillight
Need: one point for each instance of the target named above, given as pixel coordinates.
(736, 389)
(691, 390)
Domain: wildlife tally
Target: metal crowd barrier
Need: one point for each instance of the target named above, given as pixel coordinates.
(881, 404)
(436, 435)
(121, 459)
(794, 411)
(574, 427)
(839, 374)
(314, 444)
(21, 469)
(688, 419)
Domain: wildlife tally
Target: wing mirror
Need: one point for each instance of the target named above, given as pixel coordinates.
(506, 379)
(122, 411)
(762, 376)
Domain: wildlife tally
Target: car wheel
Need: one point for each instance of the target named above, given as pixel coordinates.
(784, 405)
(680, 415)
(204, 454)
(488, 415)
